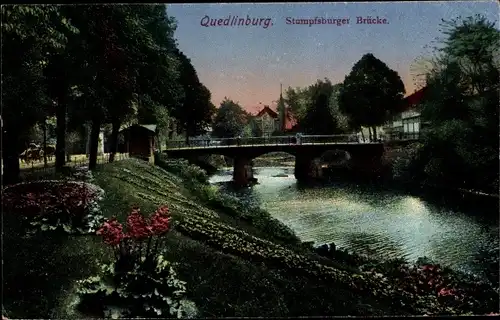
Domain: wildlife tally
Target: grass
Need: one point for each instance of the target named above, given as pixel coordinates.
(236, 262)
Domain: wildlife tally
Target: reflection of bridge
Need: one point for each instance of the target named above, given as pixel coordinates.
(364, 157)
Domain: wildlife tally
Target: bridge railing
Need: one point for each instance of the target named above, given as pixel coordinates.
(262, 141)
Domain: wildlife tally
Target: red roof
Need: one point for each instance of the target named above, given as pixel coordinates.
(414, 98)
(267, 110)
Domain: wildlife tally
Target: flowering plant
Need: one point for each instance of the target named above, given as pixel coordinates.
(72, 206)
(142, 238)
(140, 282)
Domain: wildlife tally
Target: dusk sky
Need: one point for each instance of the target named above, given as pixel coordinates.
(248, 63)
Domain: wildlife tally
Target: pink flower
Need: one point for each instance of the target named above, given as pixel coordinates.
(137, 225)
(446, 292)
(112, 232)
(160, 221)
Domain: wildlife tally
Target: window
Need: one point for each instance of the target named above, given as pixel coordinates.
(417, 127)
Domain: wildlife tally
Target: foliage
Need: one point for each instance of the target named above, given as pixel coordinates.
(230, 120)
(190, 172)
(143, 78)
(371, 92)
(197, 110)
(460, 143)
(68, 206)
(140, 282)
(318, 104)
(29, 35)
(297, 100)
(319, 118)
(403, 167)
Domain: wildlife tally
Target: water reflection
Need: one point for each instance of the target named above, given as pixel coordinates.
(372, 220)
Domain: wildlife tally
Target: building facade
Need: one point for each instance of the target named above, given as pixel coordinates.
(407, 124)
(267, 121)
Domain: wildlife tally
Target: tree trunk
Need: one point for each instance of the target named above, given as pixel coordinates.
(114, 140)
(10, 154)
(374, 133)
(94, 143)
(61, 135)
(370, 133)
(87, 139)
(45, 142)
(187, 138)
(362, 135)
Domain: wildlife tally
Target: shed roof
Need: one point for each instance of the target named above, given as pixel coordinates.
(149, 127)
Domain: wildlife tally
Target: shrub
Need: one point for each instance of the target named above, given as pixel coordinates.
(140, 282)
(71, 206)
(82, 173)
(404, 166)
(189, 172)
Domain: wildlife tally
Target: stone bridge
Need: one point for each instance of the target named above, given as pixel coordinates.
(363, 157)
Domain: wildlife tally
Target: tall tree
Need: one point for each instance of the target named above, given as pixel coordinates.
(230, 120)
(371, 92)
(28, 34)
(318, 118)
(342, 121)
(196, 112)
(160, 90)
(297, 100)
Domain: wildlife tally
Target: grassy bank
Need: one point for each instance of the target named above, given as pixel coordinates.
(236, 261)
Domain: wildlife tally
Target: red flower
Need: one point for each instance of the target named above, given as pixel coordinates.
(446, 292)
(112, 232)
(160, 221)
(137, 226)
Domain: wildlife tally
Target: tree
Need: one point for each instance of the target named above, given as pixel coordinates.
(342, 121)
(160, 90)
(371, 92)
(28, 34)
(230, 120)
(318, 118)
(196, 112)
(460, 146)
(297, 100)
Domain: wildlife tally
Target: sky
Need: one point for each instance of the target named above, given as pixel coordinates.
(248, 63)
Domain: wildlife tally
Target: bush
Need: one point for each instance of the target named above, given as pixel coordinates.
(404, 166)
(70, 206)
(189, 172)
(140, 282)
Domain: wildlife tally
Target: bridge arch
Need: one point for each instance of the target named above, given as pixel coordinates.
(274, 154)
(335, 157)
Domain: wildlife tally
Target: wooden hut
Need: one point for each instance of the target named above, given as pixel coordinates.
(140, 140)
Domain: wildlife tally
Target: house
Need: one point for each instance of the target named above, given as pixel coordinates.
(267, 121)
(407, 123)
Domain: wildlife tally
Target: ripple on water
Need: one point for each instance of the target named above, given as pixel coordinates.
(372, 221)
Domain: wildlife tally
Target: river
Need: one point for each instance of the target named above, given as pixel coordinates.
(373, 220)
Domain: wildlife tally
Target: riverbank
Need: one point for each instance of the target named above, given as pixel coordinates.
(236, 260)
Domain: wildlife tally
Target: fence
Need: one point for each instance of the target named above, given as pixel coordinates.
(263, 141)
(36, 170)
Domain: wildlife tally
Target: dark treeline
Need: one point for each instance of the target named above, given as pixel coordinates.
(94, 65)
